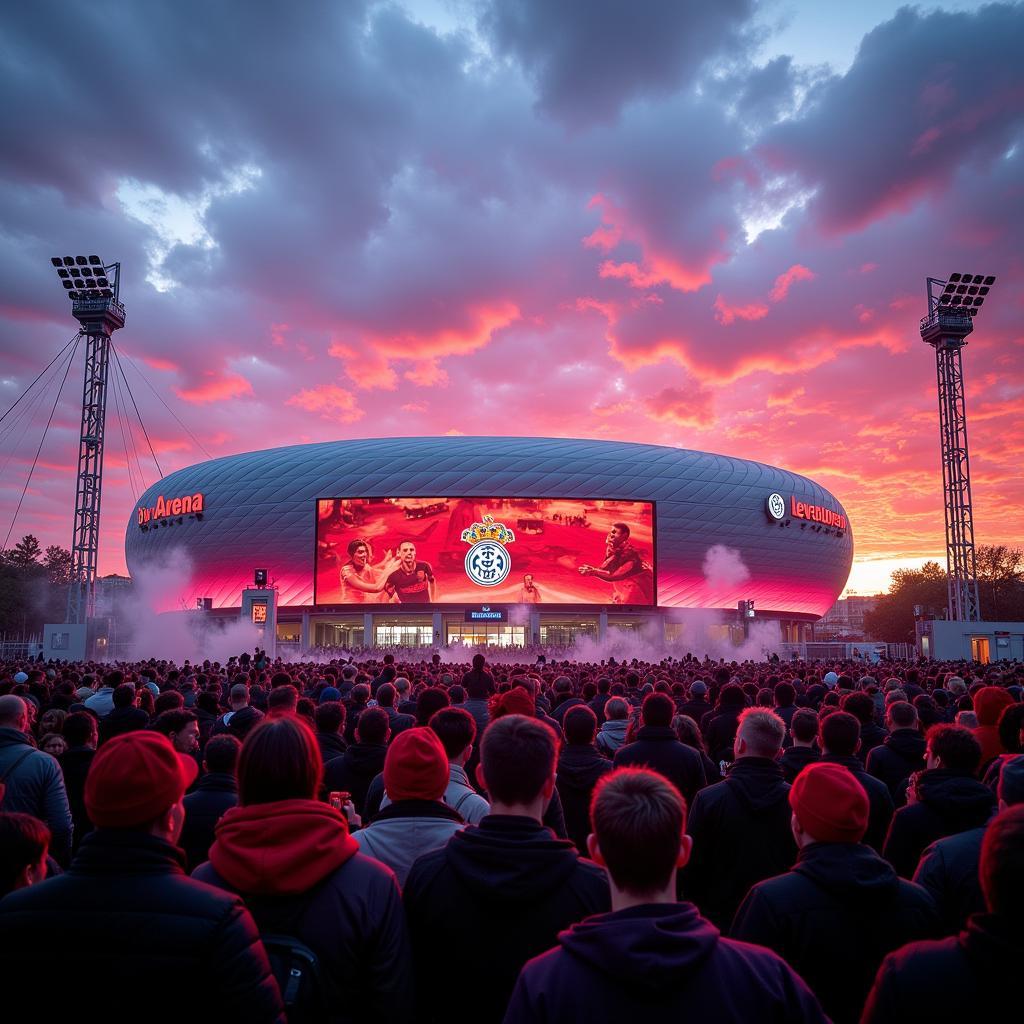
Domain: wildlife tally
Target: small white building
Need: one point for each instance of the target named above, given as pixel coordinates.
(971, 641)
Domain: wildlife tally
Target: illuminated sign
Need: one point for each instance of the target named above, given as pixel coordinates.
(775, 506)
(259, 612)
(165, 507)
(413, 550)
(817, 514)
(486, 614)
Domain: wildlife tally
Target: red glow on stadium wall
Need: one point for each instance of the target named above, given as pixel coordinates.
(164, 507)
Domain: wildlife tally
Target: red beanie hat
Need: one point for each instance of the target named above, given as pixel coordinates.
(416, 766)
(134, 778)
(830, 803)
(989, 702)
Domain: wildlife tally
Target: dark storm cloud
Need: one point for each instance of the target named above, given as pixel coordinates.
(588, 58)
(927, 93)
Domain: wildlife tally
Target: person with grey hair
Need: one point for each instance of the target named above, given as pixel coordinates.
(33, 782)
(740, 827)
(967, 719)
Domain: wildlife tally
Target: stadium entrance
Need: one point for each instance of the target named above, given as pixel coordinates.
(486, 634)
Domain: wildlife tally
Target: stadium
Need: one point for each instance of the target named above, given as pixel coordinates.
(499, 541)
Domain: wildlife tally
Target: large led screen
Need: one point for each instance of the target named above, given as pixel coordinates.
(471, 550)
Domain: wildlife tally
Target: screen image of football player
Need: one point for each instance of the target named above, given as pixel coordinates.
(359, 573)
(529, 593)
(409, 582)
(632, 579)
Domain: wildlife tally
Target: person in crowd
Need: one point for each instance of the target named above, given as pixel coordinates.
(362, 761)
(948, 869)
(53, 743)
(784, 702)
(651, 957)
(612, 733)
(989, 704)
(283, 700)
(80, 730)
(862, 707)
(688, 732)
(33, 781)
(841, 908)
(901, 753)
(839, 739)
(127, 897)
(803, 728)
(241, 717)
(480, 687)
(101, 703)
(656, 747)
(330, 723)
(416, 820)
(601, 697)
(301, 874)
(741, 827)
(968, 976)
(181, 728)
(216, 792)
(942, 800)
(579, 768)
(429, 701)
(24, 844)
(207, 709)
(719, 726)
(508, 885)
(697, 704)
(456, 730)
(125, 715)
(386, 697)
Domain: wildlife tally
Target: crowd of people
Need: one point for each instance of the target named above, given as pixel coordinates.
(378, 839)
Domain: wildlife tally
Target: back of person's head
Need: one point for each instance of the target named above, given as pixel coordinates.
(967, 719)
(455, 728)
(1011, 781)
(80, 729)
(760, 732)
(280, 679)
(860, 705)
(283, 700)
(372, 726)
(616, 710)
(517, 758)
(239, 694)
(1002, 865)
(24, 842)
(386, 695)
(429, 702)
(785, 694)
(902, 715)
(207, 701)
(804, 725)
(330, 716)
(1011, 722)
(221, 754)
(361, 693)
(603, 684)
(579, 725)
(169, 700)
(638, 818)
(478, 662)
(955, 747)
(279, 760)
(173, 721)
(829, 804)
(657, 709)
(732, 696)
(124, 695)
(840, 734)
(416, 766)
(687, 731)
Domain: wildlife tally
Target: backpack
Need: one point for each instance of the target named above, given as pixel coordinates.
(297, 970)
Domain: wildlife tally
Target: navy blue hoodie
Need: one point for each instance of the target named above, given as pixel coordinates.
(657, 962)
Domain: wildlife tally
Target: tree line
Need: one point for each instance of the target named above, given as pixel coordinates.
(33, 587)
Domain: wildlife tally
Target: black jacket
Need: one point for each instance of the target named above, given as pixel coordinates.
(695, 709)
(720, 732)
(795, 759)
(355, 770)
(901, 754)
(966, 978)
(481, 906)
(331, 745)
(656, 747)
(122, 720)
(75, 762)
(579, 768)
(657, 962)
(880, 807)
(237, 723)
(871, 735)
(741, 835)
(216, 792)
(949, 803)
(948, 869)
(126, 913)
(833, 918)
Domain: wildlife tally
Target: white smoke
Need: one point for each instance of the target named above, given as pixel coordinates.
(723, 568)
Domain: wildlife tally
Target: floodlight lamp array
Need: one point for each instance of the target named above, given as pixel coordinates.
(83, 277)
(965, 293)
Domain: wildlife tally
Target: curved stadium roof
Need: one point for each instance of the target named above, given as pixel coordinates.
(259, 510)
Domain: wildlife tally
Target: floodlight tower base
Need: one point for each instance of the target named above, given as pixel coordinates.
(99, 318)
(947, 333)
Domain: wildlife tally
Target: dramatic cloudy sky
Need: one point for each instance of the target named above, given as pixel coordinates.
(696, 224)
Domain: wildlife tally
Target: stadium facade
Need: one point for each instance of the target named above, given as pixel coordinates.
(329, 522)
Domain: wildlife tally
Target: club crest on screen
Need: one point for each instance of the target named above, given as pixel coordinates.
(488, 562)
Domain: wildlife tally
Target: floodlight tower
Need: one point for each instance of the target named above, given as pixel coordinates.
(952, 306)
(96, 306)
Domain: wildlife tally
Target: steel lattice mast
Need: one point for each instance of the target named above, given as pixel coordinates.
(96, 306)
(952, 306)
